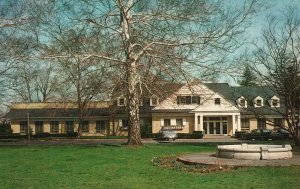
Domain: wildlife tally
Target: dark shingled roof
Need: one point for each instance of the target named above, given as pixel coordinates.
(249, 93)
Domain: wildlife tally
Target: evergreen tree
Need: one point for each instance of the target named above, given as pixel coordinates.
(248, 78)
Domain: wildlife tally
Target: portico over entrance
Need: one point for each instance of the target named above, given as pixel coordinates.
(217, 123)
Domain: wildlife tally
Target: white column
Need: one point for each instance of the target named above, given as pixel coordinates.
(201, 123)
(196, 122)
(239, 122)
(234, 127)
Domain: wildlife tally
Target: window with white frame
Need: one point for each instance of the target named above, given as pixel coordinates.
(69, 126)
(173, 122)
(54, 127)
(39, 127)
(167, 122)
(258, 102)
(245, 123)
(274, 102)
(242, 102)
(179, 122)
(121, 101)
(217, 101)
(85, 126)
(23, 127)
(123, 124)
(189, 99)
(100, 126)
(278, 122)
(154, 101)
(261, 123)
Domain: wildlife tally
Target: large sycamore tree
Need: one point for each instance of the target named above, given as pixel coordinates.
(276, 61)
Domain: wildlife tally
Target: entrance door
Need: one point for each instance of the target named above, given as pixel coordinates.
(211, 128)
(215, 127)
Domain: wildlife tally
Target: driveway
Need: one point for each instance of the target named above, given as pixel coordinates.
(110, 141)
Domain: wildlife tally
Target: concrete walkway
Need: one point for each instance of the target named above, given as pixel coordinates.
(210, 159)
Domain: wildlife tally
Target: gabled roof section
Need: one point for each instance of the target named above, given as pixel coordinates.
(250, 93)
(207, 97)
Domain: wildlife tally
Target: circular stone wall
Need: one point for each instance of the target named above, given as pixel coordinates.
(255, 151)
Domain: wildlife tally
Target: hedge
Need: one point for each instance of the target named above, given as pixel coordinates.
(40, 135)
(194, 135)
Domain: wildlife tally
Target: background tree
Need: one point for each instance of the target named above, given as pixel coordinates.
(276, 61)
(248, 77)
(84, 79)
(12, 17)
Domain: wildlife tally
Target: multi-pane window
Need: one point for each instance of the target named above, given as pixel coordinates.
(261, 123)
(54, 127)
(153, 101)
(39, 127)
(195, 99)
(85, 126)
(245, 124)
(179, 122)
(243, 103)
(275, 103)
(23, 127)
(217, 101)
(69, 126)
(121, 101)
(258, 102)
(278, 122)
(100, 126)
(188, 99)
(123, 123)
(167, 122)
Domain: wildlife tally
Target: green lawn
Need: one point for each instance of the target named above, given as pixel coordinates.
(121, 167)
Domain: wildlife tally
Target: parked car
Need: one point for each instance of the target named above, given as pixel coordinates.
(266, 134)
(282, 133)
(167, 135)
(258, 134)
(240, 134)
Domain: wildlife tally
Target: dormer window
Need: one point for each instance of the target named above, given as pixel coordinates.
(274, 102)
(217, 101)
(121, 101)
(154, 101)
(242, 103)
(258, 102)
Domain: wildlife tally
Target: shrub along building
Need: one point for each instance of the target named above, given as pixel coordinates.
(214, 108)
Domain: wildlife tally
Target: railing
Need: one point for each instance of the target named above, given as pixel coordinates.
(173, 127)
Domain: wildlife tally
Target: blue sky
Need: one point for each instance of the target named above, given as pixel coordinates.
(274, 7)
